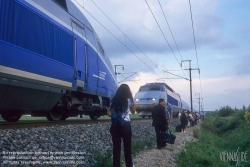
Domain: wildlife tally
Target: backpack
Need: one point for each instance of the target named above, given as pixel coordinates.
(116, 117)
(183, 116)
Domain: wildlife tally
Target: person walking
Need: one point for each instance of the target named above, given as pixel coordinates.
(123, 97)
(160, 122)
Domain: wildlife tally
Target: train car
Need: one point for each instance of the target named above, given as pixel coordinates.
(52, 62)
(148, 96)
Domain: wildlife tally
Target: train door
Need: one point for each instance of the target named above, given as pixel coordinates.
(79, 55)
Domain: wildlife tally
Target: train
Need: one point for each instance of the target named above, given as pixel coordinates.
(52, 62)
(149, 94)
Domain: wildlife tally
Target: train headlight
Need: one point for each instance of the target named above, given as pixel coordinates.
(153, 99)
(136, 99)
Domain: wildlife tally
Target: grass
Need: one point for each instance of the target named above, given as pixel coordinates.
(105, 159)
(219, 133)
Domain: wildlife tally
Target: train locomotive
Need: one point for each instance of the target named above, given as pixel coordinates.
(148, 96)
(52, 63)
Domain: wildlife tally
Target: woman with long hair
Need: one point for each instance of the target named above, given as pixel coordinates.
(123, 97)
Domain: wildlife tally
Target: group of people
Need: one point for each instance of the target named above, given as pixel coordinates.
(187, 119)
(161, 115)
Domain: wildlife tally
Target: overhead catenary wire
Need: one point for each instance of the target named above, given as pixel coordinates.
(163, 33)
(195, 44)
(117, 39)
(123, 33)
(120, 40)
(173, 39)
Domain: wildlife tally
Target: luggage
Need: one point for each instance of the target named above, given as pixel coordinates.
(167, 138)
(178, 128)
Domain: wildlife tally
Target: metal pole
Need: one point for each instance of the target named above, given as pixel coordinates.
(199, 105)
(190, 78)
(199, 102)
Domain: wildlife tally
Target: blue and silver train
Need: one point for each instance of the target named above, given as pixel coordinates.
(52, 62)
(148, 96)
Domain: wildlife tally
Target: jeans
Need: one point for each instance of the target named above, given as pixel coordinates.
(122, 133)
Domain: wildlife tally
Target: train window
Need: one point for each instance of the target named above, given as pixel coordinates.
(151, 88)
(61, 3)
(100, 48)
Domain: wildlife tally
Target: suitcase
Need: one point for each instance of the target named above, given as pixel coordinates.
(178, 128)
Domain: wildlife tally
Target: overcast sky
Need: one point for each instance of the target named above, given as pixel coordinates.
(222, 34)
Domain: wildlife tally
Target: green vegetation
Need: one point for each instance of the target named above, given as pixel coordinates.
(105, 159)
(223, 140)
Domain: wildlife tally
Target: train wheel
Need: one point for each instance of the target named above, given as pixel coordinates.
(11, 116)
(56, 114)
(93, 117)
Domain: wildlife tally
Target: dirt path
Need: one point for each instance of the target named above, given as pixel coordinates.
(165, 156)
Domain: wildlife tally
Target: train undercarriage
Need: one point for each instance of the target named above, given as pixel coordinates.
(19, 98)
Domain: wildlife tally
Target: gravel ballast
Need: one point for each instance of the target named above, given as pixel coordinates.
(68, 145)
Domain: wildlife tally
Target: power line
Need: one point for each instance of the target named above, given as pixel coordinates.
(117, 38)
(163, 33)
(122, 32)
(195, 44)
(172, 36)
(126, 36)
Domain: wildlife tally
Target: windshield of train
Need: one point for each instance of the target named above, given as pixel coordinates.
(151, 88)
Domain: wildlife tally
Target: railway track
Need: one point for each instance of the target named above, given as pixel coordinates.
(39, 123)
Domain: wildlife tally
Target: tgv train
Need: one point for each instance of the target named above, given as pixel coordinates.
(52, 62)
(148, 96)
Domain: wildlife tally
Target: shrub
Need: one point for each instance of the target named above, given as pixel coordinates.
(247, 116)
(207, 125)
(226, 111)
(196, 133)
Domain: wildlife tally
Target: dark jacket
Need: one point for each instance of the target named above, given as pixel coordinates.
(159, 116)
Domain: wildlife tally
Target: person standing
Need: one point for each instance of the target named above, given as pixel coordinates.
(159, 121)
(123, 97)
(183, 120)
(171, 108)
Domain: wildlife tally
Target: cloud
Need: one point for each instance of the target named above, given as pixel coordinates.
(243, 67)
(224, 85)
(135, 20)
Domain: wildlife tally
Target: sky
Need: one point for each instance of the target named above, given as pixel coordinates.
(151, 46)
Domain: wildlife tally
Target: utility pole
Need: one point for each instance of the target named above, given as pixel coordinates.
(190, 79)
(199, 102)
(115, 70)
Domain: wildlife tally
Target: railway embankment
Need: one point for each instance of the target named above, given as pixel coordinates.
(62, 145)
(164, 157)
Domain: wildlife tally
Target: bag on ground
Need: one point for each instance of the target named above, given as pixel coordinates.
(178, 128)
(167, 137)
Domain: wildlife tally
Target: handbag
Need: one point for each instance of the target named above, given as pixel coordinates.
(167, 137)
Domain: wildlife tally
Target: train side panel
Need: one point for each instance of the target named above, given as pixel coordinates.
(49, 58)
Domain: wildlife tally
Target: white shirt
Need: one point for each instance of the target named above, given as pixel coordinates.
(126, 114)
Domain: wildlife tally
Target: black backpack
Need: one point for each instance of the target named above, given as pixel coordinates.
(183, 116)
(117, 120)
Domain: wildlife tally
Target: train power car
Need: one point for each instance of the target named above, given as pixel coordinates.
(52, 62)
(148, 96)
